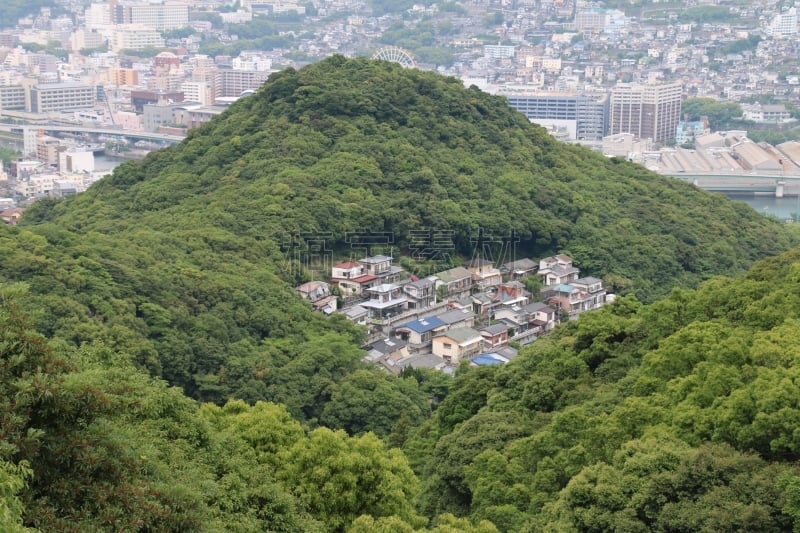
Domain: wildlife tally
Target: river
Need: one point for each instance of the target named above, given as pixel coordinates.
(786, 208)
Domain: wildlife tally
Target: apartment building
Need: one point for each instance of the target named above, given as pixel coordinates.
(134, 37)
(232, 83)
(646, 111)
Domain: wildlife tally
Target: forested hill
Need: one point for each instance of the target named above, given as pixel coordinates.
(679, 416)
(178, 261)
(347, 145)
(633, 418)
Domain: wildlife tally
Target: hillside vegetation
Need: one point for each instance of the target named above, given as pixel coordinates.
(168, 283)
(678, 416)
(178, 260)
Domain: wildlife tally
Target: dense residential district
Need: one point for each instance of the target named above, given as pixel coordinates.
(478, 313)
(126, 77)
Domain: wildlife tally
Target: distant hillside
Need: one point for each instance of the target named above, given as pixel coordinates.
(178, 259)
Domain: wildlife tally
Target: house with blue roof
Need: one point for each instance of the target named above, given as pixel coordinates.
(420, 332)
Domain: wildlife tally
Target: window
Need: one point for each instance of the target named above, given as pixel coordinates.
(447, 346)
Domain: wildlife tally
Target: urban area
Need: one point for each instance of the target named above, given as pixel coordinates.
(124, 77)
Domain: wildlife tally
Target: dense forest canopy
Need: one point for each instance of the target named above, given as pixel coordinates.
(169, 283)
(676, 416)
(178, 259)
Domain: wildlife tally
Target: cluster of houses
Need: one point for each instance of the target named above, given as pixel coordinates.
(467, 313)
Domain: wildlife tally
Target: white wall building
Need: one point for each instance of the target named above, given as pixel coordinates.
(135, 37)
(197, 91)
(784, 24)
(76, 159)
(159, 16)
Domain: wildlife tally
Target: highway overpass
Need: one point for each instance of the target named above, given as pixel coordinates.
(66, 128)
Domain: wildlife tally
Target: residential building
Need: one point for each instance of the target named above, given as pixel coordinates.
(356, 314)
(381, 266)
(232, 83)
(484, 274)
(457, 318)
(494, 336)
(557, 269)
(456, 281)
(347, 270)
(649, 111)
(197, 91)
(519, 269)
(76, 159)
(421, 293)
(351, 278)
(498, 51)
(385, 301)
(541, 315)
(594, 291)
(134, 37)
(319, 294)
(458, 344)
(527, 322)
(574, 299)
(10, 216)
(124, 76)
(388, 352)
(314, 290)
(419, 332)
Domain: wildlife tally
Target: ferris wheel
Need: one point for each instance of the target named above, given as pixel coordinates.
(395, 54)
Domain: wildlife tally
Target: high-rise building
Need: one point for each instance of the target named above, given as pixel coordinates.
(135, 37)
(12, 97)
(232, 82)
(65, 96)
(160, 17)
(646, 111)
(784, 24)
(197, 91)
(583, 117)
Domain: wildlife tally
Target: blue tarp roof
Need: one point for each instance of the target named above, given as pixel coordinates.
(489, 359)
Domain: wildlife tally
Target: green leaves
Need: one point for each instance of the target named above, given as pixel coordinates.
(338, 478)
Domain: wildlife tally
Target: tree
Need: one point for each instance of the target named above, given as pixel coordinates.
(338, 478)
(369, 401)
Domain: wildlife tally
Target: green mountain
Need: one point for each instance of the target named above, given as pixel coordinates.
(178, 259)
(638, 417)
